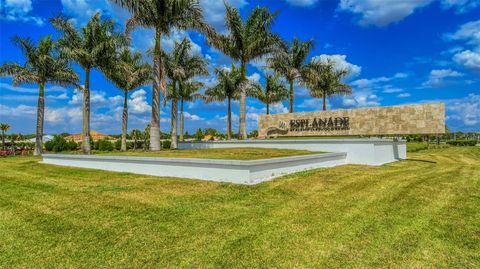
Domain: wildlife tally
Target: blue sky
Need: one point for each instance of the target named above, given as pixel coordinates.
(398, 52)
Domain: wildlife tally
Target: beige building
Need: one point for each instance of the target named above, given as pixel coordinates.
(95, 136)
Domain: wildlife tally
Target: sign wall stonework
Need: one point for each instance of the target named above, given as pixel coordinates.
(392, 120)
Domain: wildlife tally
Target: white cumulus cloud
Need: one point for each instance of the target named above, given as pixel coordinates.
(214, 11)
(440, 78)
(341, 63)
(465, 110)
(302, 3)
(18, 11)
(469, 59)
(469, 32)
(138, 102)
(379, 12)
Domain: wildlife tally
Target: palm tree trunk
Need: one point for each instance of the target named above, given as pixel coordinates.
(86, 114)
(134, 142)
(3, 139)
(242, 131)
(124, 122)
(229, 119)
(291, 96)
(157, 79)
(40, 117)
(268, 109)
(324, 102)
(182, 120)
(174, 143)
(12, 140)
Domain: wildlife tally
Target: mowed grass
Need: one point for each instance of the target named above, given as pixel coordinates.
(228, 153)
(420, 213)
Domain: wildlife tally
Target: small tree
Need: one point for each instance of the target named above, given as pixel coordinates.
(135, 134)
(211, 131)
(128, 73)
(245, 41)
(44, 64)
(188, 92)
(92, 46)
(162, 16)
(13, 138)
(288, 62)
(229, 86)
(273, 92)
(4, 127)
(181, 65)
(199, 134)
(323, 80)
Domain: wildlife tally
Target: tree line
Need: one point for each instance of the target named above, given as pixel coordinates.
(102, 46)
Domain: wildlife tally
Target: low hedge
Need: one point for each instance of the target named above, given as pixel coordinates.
(462, 143)
(103, 145)
(166, 144)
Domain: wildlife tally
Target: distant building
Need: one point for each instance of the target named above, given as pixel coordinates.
(210, 138)
(46, 138)
(95, 136)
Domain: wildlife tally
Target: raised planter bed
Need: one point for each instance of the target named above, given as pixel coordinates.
(234, 171)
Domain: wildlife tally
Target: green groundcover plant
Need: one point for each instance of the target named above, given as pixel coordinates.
(462, 143)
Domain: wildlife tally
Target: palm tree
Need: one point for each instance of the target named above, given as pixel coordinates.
(128, 73)
(146, 136)
(246, 41)
(289, 61)
(188, 92)
(162, 16)
(43, 65)
(4, 127)
(135, 134)
(229, 85)
(273, 92)
(92, 46)
(13, 138)
(180, 65)
(323, 79)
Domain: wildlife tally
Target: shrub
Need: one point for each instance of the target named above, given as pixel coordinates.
(72, 145)
(166, 144)
(129, 145)
(58, 144)
(118, 144)
(25, 145)
(414, 138)
(462, 143)
(104, 145)
(253, 134)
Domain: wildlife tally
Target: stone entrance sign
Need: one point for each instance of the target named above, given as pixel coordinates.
(392, 120)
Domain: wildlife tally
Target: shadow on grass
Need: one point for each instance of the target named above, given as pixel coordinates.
(420, 160)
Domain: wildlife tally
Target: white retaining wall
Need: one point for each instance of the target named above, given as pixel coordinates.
(235, 171)
(371, 151)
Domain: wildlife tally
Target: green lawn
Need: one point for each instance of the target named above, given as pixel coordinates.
(419, 213)
(229, 154)
(416, 146)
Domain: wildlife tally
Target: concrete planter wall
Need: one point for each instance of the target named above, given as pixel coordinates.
(241, 172)
(345, 151)
(371, 151)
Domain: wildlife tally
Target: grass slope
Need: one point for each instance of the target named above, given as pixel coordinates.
(420, 213)
(229, 154)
